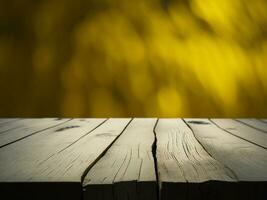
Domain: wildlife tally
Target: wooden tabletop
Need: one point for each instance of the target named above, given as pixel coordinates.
(133, 159)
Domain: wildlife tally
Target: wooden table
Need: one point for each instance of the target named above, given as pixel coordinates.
(133, 159)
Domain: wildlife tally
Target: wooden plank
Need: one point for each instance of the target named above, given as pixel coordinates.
(243, 131)
(254, 123)
(27, 162)
(126, 171)
(248, 162)
(182, 161)
(115, 159)
(28, 128)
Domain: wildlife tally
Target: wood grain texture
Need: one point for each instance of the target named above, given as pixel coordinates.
(24, 129)
(243, 131)
(183, 162)
(254, 123)
(248, 162)
(135, 159)
(126, 171)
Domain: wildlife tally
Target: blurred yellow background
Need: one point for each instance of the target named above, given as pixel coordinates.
(120, 58)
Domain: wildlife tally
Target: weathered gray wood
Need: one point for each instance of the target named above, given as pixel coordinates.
(182, 161)
(127, 170)
(27, 128)
(243, 131)
(248, 162)
(254, 123)
(115, 159)
(29, 161)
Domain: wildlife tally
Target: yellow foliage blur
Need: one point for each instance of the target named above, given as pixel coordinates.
(111, 58)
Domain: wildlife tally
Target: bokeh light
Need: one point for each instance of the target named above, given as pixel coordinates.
(111, 58)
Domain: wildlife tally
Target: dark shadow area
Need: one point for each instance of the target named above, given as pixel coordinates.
(198, 122)
(211, 190)
(41, 190)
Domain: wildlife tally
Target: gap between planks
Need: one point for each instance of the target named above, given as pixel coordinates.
(154, 150)
(127, 169)
(212, 176)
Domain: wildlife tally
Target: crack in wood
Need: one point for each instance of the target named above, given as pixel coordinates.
(193, 160)
(154, 154)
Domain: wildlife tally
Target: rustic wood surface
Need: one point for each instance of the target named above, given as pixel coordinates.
(133, 159)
